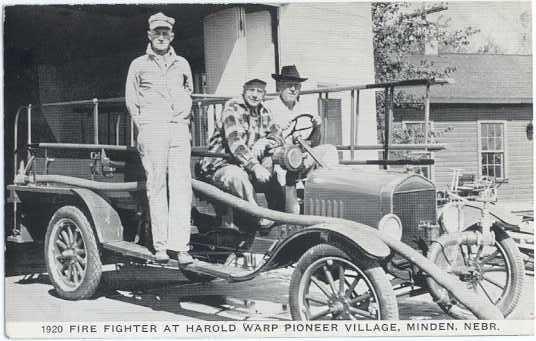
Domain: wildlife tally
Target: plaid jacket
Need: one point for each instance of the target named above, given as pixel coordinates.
(235, 133)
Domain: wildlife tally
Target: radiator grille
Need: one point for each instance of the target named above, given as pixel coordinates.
(413, 208)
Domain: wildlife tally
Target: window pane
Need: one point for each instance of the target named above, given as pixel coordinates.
(499, 130)
(498, 143)
(491, 171)
(484, 142)
(498, 172)
(498, 159)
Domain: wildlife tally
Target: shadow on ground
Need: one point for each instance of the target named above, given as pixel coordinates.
(164, 289)
(167, 290)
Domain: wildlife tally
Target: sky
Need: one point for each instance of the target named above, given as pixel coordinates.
(502, 22)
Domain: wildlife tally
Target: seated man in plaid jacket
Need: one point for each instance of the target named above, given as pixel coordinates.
(242, 132)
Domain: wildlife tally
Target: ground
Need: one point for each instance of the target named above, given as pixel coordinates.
(164, 295)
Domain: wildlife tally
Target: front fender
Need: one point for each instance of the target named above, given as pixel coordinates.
(473, 211)
(105, 218)
(349, 237)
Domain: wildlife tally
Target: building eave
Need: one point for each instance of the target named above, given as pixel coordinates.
(473, 100)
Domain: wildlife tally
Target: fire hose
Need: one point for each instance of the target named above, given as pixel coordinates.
(481, 308)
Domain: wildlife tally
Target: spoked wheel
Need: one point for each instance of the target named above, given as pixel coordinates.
(495, 272)
(72, 255)
(329, 285)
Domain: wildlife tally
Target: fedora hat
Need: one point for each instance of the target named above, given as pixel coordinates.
(288, 73)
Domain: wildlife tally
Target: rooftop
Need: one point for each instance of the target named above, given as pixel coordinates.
(483, 78)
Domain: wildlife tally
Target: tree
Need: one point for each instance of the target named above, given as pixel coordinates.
(399, 33)
(490, 47)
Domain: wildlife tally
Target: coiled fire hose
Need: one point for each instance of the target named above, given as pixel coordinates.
(481, 308)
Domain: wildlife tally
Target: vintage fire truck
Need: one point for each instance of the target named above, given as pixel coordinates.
(364, 236)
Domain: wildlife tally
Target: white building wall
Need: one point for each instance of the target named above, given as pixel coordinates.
(225, 51)
(238, 46)
(260, 48)
(331, 44)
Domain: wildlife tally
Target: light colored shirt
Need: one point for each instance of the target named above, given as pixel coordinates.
(158, 88)
(282, 115)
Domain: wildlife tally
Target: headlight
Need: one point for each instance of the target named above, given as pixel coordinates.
(391, 225)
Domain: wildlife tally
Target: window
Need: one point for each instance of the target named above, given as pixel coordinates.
(491, 149)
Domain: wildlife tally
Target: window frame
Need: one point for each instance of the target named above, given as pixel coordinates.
(504, 146)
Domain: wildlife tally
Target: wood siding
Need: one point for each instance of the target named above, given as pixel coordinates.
(520, 163)
(462, 144)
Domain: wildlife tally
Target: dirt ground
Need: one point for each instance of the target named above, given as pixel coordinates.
(164, 295)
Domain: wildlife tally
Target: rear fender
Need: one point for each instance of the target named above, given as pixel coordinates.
(106, 221)
(349, 237)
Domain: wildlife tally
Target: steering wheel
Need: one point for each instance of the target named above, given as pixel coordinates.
(300, 126)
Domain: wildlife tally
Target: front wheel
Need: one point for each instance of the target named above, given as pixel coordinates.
(72, 255)
(495, 272)
(328, 284)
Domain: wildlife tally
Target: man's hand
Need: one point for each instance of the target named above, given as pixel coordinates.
(259, 148)
(315, 120)
(261, 174)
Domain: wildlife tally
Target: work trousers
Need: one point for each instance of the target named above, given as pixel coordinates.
(164, 148)
(235, 180)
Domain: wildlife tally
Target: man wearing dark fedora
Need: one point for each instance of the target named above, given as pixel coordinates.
(288, 106)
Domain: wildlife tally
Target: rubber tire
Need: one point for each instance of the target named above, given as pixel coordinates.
(386, 296)
(511, 300)
(93, 274)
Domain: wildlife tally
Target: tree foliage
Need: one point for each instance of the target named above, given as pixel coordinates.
(490, 47)
(398, 34)
(400, 31)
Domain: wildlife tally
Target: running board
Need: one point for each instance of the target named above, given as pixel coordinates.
(129, 249)
(134, 250)
(217, 270)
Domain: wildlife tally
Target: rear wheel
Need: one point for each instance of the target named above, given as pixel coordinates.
(495, 272)
(72, 254)
(328, 284)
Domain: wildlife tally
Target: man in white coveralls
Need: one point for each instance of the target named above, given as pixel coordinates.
(157, 95)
